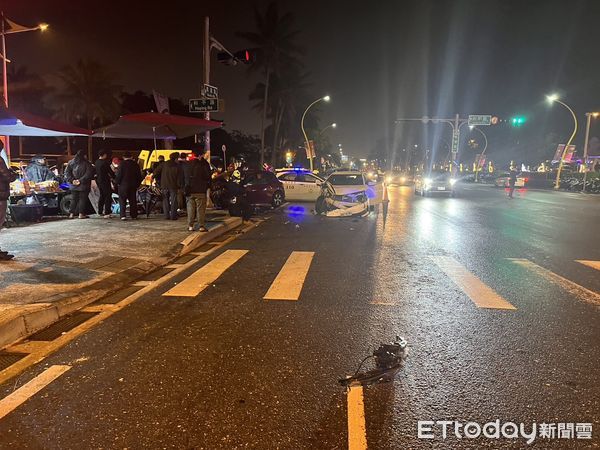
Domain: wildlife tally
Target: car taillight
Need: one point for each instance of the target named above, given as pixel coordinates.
(525, 180)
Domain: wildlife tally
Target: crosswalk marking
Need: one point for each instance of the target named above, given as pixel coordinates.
(568, 285)
(28, 390)
(289, 281)
(206, 275)
(480, 293)
(592, 264)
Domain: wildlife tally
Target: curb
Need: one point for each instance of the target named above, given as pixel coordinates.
(25, 320)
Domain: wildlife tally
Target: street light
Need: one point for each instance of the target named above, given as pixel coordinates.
(14, 28)
(331, 125)
(588, 116)
(471, 127)
(554, 98)
(327, 98)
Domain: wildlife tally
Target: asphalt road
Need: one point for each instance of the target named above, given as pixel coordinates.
(228, 369)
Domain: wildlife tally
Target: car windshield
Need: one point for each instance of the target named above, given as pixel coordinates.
(346, 180)
(439, 175)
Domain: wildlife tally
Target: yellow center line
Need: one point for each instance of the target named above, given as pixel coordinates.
(28, 390)
(568, 285)
(592, 264)
(480, 293)
(357, 429)
(206, 275)
(291, 277)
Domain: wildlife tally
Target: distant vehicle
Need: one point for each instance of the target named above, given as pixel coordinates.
(435, 183)
(399, 178)
(300, 185)
(502, 180)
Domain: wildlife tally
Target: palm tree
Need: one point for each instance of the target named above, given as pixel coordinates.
(88, 95)
(274, 40)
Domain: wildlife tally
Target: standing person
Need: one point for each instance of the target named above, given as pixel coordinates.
(128, 178)
(79, 174)
(170, 176)
(512, 180)
(197, 181)
(104, 177)
(155, 166)
(7, 176)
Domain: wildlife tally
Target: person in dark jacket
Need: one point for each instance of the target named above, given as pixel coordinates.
(7, 176)
(155, 166)
(197, 181)
(79, 174)
(512, 180)
(128, 178)
(170, 175)
(38, 171)
(104, 178)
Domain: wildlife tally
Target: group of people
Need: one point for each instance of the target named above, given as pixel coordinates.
(178, 177)
(189, 178)
(127, 178)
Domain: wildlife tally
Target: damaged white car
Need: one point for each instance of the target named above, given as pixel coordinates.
(343, 194)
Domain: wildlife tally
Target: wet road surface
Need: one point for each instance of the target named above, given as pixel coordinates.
(500, 316)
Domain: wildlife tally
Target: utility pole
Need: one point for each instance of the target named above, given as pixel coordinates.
(206, 61)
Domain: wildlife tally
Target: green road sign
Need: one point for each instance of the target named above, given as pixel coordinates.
(477, 120)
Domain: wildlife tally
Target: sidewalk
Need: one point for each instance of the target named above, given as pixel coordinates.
(64, 264)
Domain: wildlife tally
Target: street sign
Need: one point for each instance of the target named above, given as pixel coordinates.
(455, 142)
(208, 91)
(204, 105)
(310, 151)
(476, 120)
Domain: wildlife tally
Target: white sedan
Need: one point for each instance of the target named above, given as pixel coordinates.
(352, 182)
(300, 185)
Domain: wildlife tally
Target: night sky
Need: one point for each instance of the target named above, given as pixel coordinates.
(378, 60)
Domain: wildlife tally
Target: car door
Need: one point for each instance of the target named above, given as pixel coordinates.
(313, 187)
(305, 187)
(289, 185)
(255, 188)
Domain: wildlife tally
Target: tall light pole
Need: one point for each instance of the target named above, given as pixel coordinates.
(14, 28)
(588, 116)
(308, 151)
(471, 127)
(551, 99)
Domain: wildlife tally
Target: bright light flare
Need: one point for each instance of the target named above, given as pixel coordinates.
(43, 26)
(334, 125)
(326, 98)
(552, 98)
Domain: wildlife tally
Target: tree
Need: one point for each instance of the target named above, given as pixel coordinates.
(26, 90)
(88, 95)
(276, 49)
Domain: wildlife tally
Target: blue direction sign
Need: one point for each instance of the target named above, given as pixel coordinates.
(204, 105)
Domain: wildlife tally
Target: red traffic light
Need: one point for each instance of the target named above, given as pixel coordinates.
(245, 56)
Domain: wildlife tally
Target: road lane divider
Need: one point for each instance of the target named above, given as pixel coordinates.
(592, 264)
(206, 275)
(28, 390)
(290, 279)
(357, 429)
(480, 293)
(577, 290)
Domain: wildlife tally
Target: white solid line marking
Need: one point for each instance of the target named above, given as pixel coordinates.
(480, 293)
(206, 275)
(592, 264)
(384, 303)
(579, 291)
(357, 429)
(28, 390)
(288, 283)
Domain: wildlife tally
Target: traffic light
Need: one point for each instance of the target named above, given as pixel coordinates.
(245, 56)
(517, 121)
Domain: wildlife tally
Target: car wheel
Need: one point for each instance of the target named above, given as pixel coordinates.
(65, 204)
(320, 207)
(278, 199)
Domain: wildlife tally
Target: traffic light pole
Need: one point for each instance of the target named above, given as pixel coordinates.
(206, 64)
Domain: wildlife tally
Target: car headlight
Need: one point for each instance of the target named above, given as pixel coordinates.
(402, 179)
(388, 179)
(452, 181)
(427, 181)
